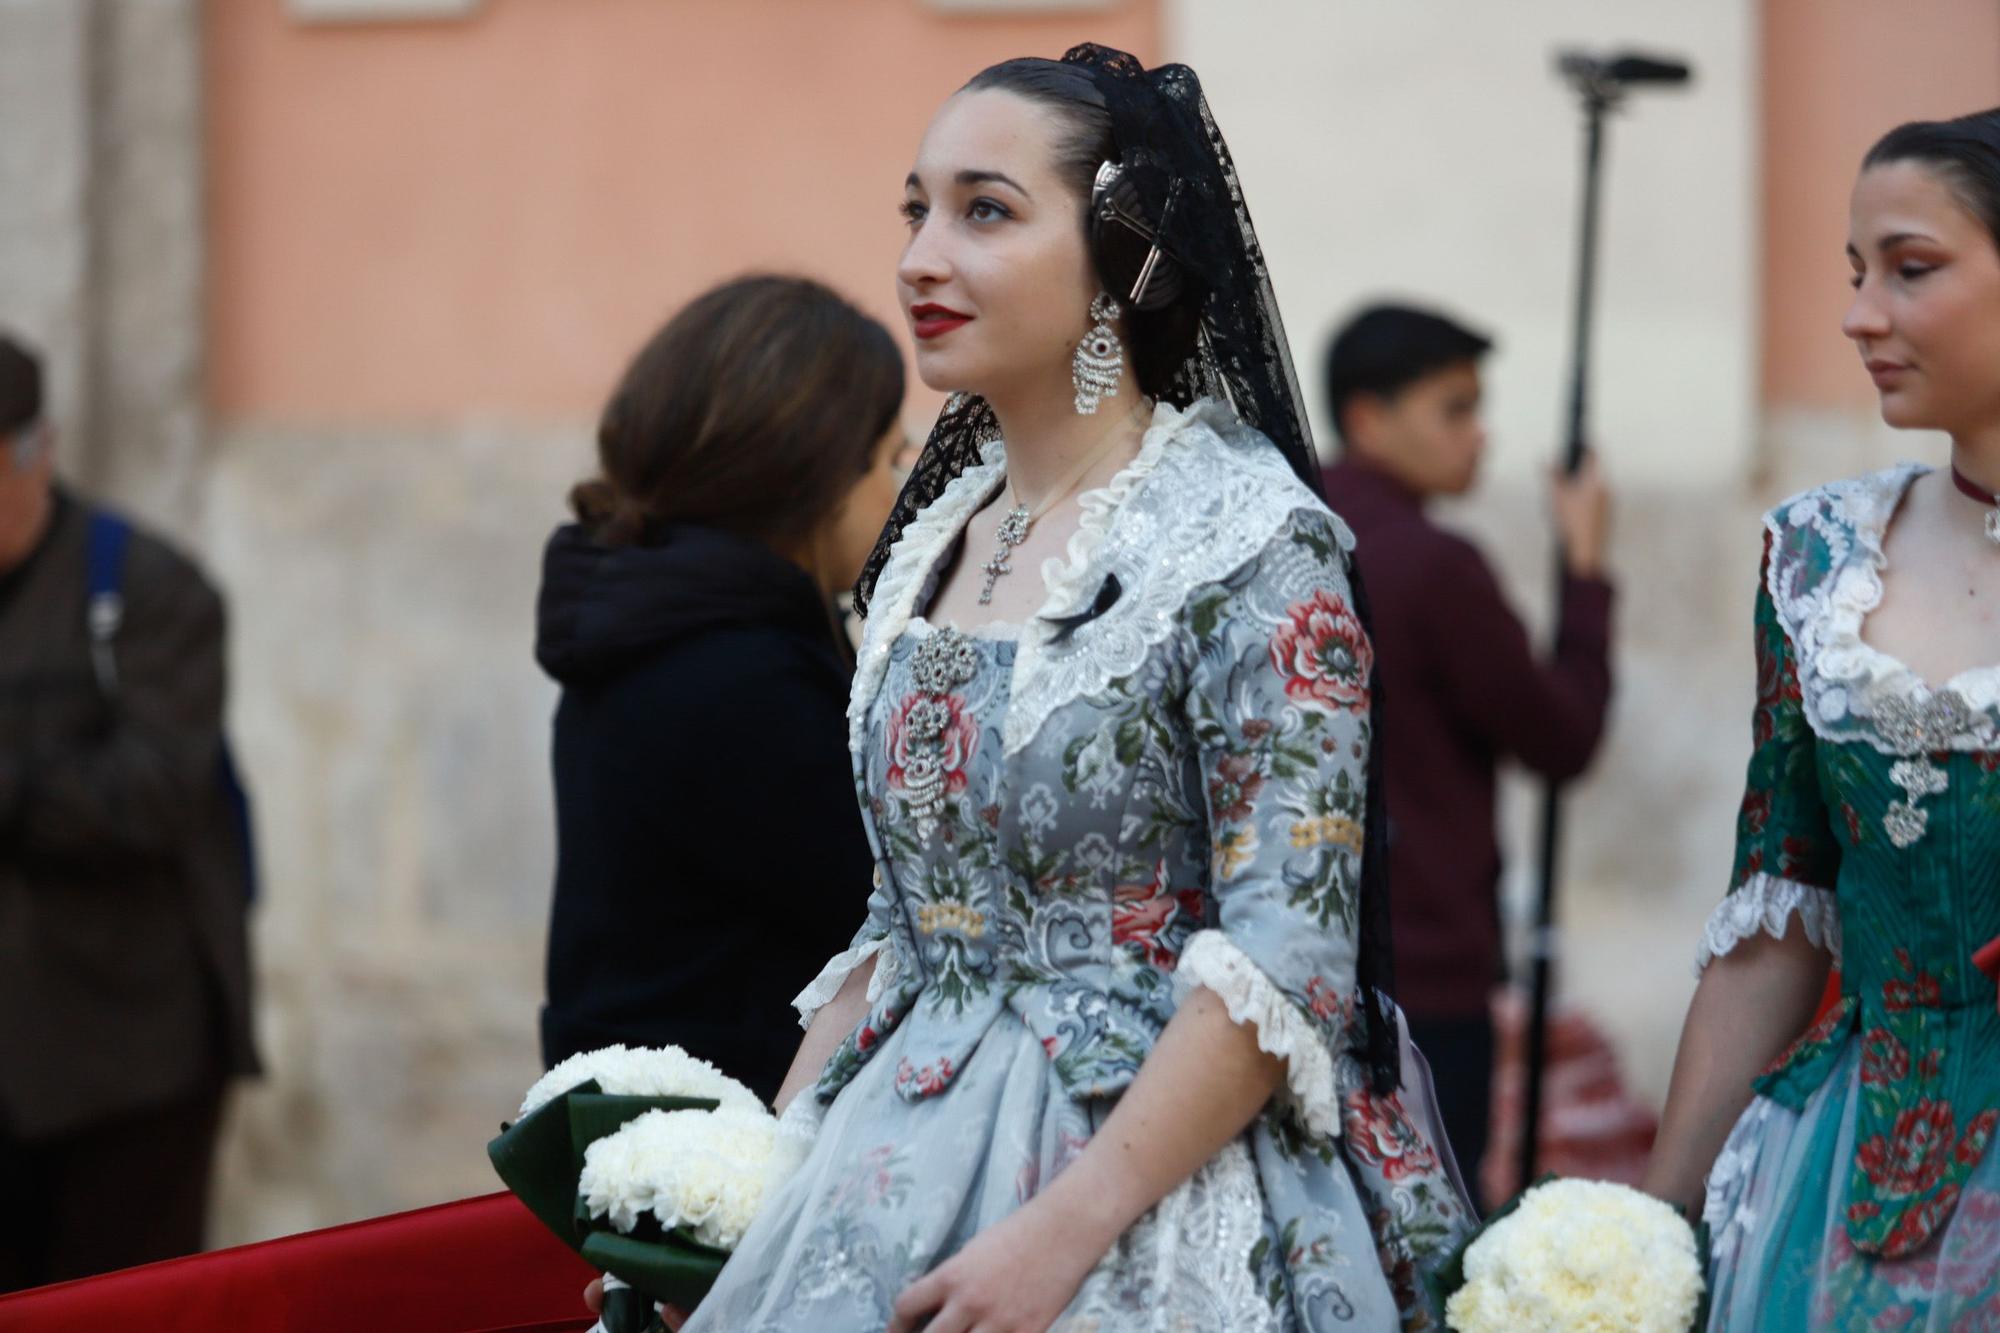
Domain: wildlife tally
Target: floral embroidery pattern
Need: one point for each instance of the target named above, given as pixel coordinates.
(1912, 1159)
(1816, 1041)
(1235, 785)
(1912, 1152)
(1884, 1060)
(1231, 761)
(1382, 1137)
(1234, 849)
(1142, 913)
(923, 1080)
(1919, 989)
(1781, 828)
(1323, 654)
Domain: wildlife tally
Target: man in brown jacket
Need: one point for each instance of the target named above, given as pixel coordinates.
(124, 974)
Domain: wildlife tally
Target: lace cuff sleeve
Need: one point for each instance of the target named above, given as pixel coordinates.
(841, 966)
(1213, 960)
(1764, 903)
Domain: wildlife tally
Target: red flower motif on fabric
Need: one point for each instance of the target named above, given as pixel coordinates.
(874, 1180)
(1914, 1156)
(1978, 1134)
(1884, 1059)
(1755, 813)
(1324, 655)
(873, 1030)
(929, 1079)
(1777, 685)
(1324, 1002)
(1235, 785)
(1141, 913)
(1899, 995)
(960, 739)
(1817, 1035)
(1381, 1136)
(1914, 1230)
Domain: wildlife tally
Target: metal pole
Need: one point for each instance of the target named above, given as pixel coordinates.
(1597, 100)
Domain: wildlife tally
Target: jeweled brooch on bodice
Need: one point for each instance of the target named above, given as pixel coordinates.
(942, 663)
(1914, 730)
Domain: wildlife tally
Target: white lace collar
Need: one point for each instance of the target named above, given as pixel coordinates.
(1199, 499)
(1825, 577)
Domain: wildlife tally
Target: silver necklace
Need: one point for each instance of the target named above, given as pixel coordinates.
(1014, 527)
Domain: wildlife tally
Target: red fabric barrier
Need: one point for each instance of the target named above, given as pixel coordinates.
(481, 1265)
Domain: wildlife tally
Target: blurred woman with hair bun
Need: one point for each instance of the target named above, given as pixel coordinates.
(710, 855)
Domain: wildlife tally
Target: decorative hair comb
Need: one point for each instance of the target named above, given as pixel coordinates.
(1111, 207)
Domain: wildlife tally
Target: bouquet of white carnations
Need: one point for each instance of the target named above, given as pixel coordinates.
(1575, 1255)
(651, 1164)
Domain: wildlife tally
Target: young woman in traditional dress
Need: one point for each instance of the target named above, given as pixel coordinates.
(1108, 1052)
(1857, 1187)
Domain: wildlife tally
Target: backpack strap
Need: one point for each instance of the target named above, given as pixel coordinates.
(110, 534)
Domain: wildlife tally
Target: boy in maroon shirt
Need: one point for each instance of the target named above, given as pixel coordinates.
(1462, 687)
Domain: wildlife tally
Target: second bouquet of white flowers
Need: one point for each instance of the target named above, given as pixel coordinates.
(705, 1173)
(1579, 1255)
(651, 1164)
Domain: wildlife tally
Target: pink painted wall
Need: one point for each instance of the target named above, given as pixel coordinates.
(1837, 75)
(427, 222)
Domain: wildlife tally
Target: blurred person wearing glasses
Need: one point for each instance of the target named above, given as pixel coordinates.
(124, 973)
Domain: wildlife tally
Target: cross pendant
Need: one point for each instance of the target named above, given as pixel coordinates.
(1013, 531)
(995, 567)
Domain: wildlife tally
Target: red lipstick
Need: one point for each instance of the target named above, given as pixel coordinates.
(929, 321)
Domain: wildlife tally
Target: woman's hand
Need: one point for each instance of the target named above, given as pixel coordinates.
(1203, 1084)
(1016, 1276)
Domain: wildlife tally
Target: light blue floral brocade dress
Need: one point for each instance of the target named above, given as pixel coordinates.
(1074, 826)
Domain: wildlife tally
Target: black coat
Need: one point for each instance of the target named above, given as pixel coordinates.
(710, 852)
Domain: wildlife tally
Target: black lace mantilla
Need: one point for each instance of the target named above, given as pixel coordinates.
(1169, 148)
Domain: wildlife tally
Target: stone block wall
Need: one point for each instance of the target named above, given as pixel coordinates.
(395, 728)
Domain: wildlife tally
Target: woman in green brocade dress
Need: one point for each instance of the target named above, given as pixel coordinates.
(1860, 1188)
